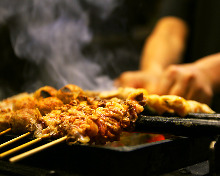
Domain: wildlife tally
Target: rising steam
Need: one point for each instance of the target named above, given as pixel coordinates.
(51, 34)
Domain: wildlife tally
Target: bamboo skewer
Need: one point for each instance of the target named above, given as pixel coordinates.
(35, 150)
(14, 140)
(5, 131)
(4, 154)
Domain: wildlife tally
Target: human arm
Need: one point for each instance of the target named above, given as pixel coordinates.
(163, 47)
(161, 73)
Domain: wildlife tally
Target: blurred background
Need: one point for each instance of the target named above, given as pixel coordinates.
(83, 42)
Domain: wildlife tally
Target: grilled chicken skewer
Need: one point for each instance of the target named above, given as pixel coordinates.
(85, 116)
(35, 150)
(5, 131)
(81, 118)
(78, 116)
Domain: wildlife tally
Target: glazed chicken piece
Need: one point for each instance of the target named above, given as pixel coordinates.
(46, 105)
(9, 102)
(6, 109)
(44, 92)
(28, 102)
(25, 120)
(87, 119)
(68, 93)
(5, 117)
(121, 93)
(175, 104)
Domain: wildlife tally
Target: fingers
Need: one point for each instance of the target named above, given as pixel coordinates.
(182, 80)
(201, 92)
(166, 82)
(174, 82)
(182, 84)
(129, 79)
(187, 82)
(139, 79)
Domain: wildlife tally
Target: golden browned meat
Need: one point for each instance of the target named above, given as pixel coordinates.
(9, 102)
(86, 119)
(25, 102)
(24, 120)
(68, 93)
(46, 105)
(6, 109)
(196, 107)
(44, 92)
(5, 117)
(175, 104)
(121, 93)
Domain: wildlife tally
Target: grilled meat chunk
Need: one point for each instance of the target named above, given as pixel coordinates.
(24, 120)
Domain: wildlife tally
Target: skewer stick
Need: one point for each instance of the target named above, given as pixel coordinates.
(5, 131)
(35, 150)
(14, 140)
(4, 154)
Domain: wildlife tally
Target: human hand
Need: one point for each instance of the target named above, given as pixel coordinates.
(186, 80)
(139, 79)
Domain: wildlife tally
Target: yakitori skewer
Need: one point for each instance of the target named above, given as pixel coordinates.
(87, 119)
(5, 131)
(38, 149)
(16, 149)
(14, 140)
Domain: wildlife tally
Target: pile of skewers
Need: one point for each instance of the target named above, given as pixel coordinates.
(73, 115)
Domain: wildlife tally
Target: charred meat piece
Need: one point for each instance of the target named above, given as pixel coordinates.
(175, 105)
(86, 117)
(44, 92)
(48, 104)
(93, 120)
(26, 102)
(24, 120)
(9, 102)
(68, 93)
(5, 117)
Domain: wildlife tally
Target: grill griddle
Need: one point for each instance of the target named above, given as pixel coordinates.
(144, 159)
(147, 159)
(141, 159)
(191, 125)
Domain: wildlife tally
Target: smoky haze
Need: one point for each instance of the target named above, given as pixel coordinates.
(51, 34)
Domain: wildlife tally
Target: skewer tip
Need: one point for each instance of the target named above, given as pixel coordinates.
(5, 131)
(35, 150)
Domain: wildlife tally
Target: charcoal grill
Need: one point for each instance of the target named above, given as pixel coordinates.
(142, 159)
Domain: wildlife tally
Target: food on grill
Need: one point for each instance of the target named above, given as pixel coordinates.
(93, 119)
(161, 104)
(25, 102)
(48, 104)
(6, 107)
(69, 93)
(175, 104)
(44, 92)
(24, 120)
(86, 116)
(5, 119)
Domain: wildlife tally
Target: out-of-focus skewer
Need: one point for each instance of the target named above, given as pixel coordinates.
(14, 140)
(35, 150)
(9, 152)
(5, 131)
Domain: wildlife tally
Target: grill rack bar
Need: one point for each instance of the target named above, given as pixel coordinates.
(195, 124)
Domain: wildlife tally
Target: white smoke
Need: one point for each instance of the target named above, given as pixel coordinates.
(51, 33)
